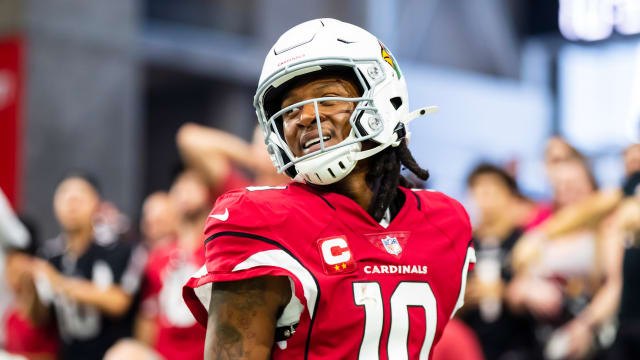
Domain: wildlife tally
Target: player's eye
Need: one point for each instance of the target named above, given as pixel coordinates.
(294, 110)
(291, 113)
(328, 102)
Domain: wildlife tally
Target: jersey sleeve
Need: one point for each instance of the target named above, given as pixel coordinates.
(240, 244)
(453, 220)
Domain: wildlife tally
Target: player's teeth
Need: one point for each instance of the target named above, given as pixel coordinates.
(316, 141)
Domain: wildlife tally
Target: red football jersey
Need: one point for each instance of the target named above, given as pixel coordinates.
(24, 338)
(178, 335)
(360, 290)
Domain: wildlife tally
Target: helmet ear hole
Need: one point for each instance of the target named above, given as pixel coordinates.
(359, 126)
(366, 83)
(396, 102)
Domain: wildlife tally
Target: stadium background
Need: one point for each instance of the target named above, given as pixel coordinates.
(104, 85)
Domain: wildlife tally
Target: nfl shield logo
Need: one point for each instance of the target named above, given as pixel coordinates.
(392, 245)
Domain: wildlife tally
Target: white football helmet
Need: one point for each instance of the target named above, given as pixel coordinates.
(381, 111)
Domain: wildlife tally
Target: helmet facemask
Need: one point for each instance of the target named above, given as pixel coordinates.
(380, 113)
(329, 164)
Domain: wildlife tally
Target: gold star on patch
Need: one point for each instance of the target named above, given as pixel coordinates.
(344, 266)
(337, 268)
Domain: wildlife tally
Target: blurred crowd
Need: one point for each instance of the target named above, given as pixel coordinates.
(553, 279)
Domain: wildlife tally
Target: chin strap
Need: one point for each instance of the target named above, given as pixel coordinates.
(401, 131)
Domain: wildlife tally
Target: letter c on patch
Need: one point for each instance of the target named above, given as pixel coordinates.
(335, 251)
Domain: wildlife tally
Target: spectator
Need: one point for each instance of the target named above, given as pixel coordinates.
(622, 234)
(503, 334)
(24, 337)
(170, 328)
(218, 155)
(89, 286)
(559, 279)
(590, 209)
(27, 323)
(12, 235)
(159, 220)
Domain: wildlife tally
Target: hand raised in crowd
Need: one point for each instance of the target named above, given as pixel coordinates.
(478, 289)
(541, 298)
(48, 272)
(580, 338)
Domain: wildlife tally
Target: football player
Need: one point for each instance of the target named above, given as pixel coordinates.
(344, 261)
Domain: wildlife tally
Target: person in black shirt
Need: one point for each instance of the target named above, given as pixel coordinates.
(502, 333)
(89, 286)
(624, 229)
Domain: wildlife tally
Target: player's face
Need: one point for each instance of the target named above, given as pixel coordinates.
(300, 125)
(75, 203)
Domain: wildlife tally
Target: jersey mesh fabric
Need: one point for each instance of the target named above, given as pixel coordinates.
(339, 260)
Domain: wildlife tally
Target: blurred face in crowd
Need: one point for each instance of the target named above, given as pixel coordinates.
(159, 217)
(190, 195)
(632, 159)
(491, 195)
(75, 203)
(300, 127)
(573, 183)
(556, 152)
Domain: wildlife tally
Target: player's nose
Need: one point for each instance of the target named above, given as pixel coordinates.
(307, 115)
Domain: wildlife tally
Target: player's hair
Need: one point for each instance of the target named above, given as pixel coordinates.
(384, 176)
(85, 175)
(490, 169)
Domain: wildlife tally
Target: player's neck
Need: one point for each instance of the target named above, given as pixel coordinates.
(272, 179)
(78, 240)
(354, 186)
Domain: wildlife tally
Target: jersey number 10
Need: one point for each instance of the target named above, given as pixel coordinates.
(407, 293)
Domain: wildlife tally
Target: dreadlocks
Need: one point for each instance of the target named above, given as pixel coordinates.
(384, 176)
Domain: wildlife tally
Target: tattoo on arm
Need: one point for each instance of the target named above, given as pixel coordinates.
(229, 344)
(242, 317)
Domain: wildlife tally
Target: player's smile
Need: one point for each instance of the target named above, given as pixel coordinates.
(300, 125)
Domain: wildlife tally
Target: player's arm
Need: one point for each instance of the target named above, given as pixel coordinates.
(583, 213)
(242, 317)
(210, 151)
